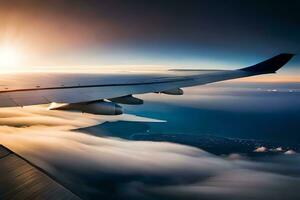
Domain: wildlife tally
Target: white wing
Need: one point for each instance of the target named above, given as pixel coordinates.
(40, 88)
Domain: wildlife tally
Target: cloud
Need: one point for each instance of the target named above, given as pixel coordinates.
(261, 149)
(278, 149)
(290, 152)
(111, 168)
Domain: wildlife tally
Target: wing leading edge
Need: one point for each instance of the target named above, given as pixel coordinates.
(84, 88)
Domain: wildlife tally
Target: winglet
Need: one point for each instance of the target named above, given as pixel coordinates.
(271, 65)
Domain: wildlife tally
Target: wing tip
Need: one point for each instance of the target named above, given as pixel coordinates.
(270, 65)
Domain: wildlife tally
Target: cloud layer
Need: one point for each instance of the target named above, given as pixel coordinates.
(112, 168)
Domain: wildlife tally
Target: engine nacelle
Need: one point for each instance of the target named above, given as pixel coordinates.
(176, 91)
(96, 107)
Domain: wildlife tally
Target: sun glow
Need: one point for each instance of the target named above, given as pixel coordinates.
(10, 56)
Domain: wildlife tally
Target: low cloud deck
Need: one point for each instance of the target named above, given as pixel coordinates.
(21, 180)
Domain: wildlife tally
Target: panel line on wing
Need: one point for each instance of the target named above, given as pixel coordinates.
(100, 85)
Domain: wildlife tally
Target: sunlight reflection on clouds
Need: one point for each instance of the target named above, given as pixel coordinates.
(93, 166)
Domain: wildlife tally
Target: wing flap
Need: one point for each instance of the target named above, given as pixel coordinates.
(26, 101)
(8, 103)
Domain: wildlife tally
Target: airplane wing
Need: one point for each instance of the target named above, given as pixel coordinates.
(43, 88)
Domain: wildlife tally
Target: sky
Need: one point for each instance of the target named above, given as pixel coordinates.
(67, 34)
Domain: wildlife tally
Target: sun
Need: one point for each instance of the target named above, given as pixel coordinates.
(10, 56)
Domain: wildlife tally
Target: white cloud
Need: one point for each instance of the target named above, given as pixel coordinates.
(290, 152)
(261, 149)
(97, 166)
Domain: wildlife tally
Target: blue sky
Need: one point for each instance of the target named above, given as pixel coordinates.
(206, 34)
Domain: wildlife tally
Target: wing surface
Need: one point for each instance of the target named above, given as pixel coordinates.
(41, 88)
